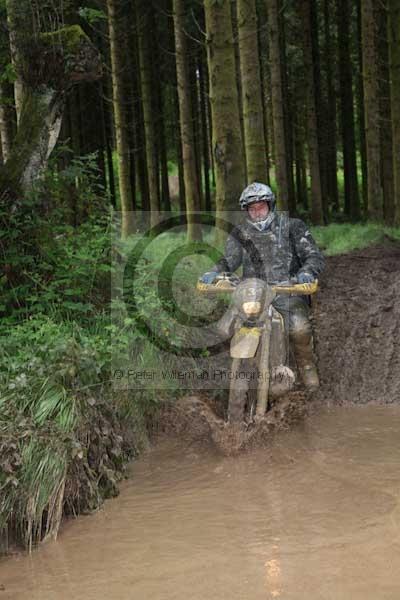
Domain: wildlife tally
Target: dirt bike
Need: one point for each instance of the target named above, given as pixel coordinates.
(259, 347)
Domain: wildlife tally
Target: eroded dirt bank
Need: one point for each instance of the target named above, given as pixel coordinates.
(357, 326)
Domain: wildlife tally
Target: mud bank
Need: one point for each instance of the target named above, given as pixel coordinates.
(357, 326)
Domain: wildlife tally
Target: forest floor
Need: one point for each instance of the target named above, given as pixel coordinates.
(356, 322)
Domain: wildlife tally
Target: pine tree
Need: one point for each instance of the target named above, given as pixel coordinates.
(117, 47)
(312, 132)
(371, 105)
(255, 148)
(18, 19)
(331, 155)
(352, 205)
(144, 21)
(278, 118)
(394, 49)
(192, 194)
(385, 129)
(5, 124)
(226, 137)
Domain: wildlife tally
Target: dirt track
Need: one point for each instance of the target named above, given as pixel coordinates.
(357, 326)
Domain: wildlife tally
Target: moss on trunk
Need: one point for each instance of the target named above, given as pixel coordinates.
(38, 131)
(56, 61)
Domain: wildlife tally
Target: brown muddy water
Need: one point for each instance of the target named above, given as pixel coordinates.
(313, 517)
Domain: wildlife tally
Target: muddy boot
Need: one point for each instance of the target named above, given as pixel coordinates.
(303, 349)
(310, 377)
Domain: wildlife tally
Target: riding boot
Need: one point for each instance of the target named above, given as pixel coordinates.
(303, 349)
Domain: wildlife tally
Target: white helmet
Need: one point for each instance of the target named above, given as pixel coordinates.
(257, 192)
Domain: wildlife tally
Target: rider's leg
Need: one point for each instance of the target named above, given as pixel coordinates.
(295, 311)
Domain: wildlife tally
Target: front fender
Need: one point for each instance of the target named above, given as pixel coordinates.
(245, 342)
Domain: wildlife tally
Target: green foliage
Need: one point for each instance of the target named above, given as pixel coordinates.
(8, 74)
(62, 437)
(91, 15)
(60, 423)
(50, 268)
(45, 366)
(69, 38)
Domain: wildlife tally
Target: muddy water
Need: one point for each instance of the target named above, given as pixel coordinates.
(315, 517)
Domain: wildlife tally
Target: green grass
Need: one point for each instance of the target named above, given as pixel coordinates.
(345, 237)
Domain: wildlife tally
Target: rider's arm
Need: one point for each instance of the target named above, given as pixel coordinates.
(310, 256)
(233, 254)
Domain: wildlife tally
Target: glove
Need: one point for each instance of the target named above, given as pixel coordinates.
(305, 278)
(209, 277)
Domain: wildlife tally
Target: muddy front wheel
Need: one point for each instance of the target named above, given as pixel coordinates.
(239, 386)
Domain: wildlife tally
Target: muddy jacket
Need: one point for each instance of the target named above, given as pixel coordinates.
(285, 249)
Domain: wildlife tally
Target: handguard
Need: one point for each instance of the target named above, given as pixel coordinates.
(300, 289)
(224, 283)
(210, 288)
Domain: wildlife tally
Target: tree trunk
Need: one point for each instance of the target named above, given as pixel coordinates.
(361, 114)
(178, 146)
(331, 116)
(117, 47)
(5, 124)
(386, 118)
(105, 118)
(139, 133)
(238, 79)
(226, 138)
(190, 174)
(312, 133)
(17, 23)
(351, 201)
(107, 104)
(394, 53)
(321, 108)
(129, 100)
(165, 199)
(209, 124)
(287, 112)
(193, 76)
(148, 100)
(281, 154)
(371, 99)
(264, 77)
(251, 91)
(44, 100)
(300, 160)
(204, 134)
(165, 194)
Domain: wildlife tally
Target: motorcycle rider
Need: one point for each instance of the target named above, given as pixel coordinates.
(274, 247)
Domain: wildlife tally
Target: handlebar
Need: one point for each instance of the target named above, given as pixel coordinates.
(285, 287)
